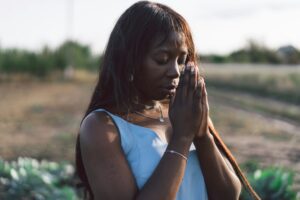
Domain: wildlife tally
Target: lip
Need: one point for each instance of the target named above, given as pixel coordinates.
(170, 90)
(171, 87)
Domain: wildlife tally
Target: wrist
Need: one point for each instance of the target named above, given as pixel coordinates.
(182, 140)
(180, 144)
(204, 138)
(177, 154)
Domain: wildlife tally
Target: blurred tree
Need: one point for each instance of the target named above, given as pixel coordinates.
(255, 52)
(74, 54)
(289, 54)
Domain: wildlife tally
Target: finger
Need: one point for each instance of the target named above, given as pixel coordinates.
(200, 81)
(179, 89)
(204, 113)
(204, 103)
(197, 69)
(200, 78)
(171, 101)
(186, 80)
(192, 81)
(197, 92)
(205, 98)
(203, 93)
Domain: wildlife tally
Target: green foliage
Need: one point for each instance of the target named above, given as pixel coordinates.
(74, 54)
(13, 60)
(254, 52)
(28, 178)
(213, 58)
(272, 183)
(70, 53)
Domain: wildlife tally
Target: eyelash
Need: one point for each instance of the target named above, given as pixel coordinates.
(182, 61)
(162, 62)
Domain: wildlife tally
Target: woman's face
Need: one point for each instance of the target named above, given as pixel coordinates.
(159, 74)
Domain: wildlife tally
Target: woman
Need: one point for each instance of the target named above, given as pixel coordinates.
(147, 133)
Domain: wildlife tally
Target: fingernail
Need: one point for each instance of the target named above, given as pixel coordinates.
(193, 70)
(182, 71)
(188, 67)
(190, 64)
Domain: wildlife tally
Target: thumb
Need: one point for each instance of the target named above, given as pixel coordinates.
(172, 97)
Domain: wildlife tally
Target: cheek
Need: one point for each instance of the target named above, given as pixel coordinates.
(149, 86)
(150, 76)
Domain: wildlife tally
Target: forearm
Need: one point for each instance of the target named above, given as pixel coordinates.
(166, 179)
(221, 181)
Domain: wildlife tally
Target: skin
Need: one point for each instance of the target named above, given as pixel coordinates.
(108, 172)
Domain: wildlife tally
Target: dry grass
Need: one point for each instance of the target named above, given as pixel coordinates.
(41, 119)
(280, 82)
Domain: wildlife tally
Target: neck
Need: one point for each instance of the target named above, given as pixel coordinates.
(144, 105)
(140, 105)
(150, 111)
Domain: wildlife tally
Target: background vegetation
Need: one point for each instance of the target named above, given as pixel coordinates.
(40, 64)
(76, 55)
(254, 104)
(255, 52)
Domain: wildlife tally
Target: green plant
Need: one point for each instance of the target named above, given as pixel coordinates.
(28, 178)
(272, 183)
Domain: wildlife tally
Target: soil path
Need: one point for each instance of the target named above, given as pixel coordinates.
(257, 135)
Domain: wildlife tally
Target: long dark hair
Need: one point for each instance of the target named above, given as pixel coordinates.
(127, 46)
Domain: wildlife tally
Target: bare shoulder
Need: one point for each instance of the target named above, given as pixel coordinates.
(98, 127)
(105, 164)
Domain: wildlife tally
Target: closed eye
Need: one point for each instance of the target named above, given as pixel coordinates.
(182, 60)
(162, 59)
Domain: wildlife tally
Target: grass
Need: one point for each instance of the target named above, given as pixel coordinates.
(258, 104)
(276, 82)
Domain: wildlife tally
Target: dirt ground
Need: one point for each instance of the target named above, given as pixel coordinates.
(41, 120)
(269, 139)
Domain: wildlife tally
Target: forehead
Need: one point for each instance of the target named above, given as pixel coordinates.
(174, 40)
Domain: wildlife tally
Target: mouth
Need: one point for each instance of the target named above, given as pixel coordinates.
(170, 90)
(171, 87)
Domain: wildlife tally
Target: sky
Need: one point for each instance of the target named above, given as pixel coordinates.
(218, 26)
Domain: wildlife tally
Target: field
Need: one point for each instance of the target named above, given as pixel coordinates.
(256, 117)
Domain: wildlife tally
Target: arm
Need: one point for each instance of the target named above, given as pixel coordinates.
(107, 169)
(221, 181)
(220, 178)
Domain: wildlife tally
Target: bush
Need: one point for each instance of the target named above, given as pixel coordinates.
(28, 178)
(42, 63)
(272, 183)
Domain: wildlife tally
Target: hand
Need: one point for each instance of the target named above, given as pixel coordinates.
(185, 108)
(204, 107)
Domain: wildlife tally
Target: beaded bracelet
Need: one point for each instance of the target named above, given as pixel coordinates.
(177, 153)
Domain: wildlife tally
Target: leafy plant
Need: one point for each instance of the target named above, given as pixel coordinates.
(272, 183)
(28, 178)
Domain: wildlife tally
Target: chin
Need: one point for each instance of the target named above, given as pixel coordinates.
(162, 96)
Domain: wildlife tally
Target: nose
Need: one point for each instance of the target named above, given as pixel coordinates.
(173, 70)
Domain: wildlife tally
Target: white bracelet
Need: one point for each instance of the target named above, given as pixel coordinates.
(177, 153)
